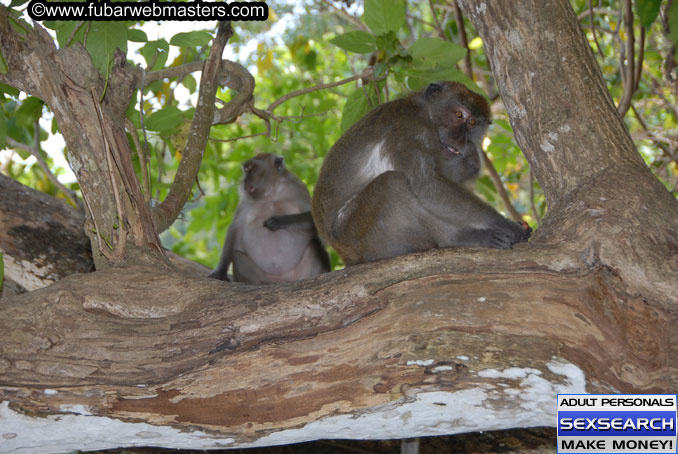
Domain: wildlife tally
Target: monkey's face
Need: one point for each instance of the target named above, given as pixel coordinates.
(262, 174)
(461, 118)
(461, 133)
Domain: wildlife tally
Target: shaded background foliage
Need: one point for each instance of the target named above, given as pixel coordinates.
(397, 45)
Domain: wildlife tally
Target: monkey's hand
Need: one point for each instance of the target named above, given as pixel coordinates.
(527, 230)
(273, 223)
(505, 238)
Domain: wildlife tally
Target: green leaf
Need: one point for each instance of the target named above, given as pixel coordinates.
(29, 111)
(189, 82)
(355, 108)
(136, 35)
(165, 119)
(3, 131)
(103, 39)
(64, 31)
(358, 42)
(647, 11)
(434, 52)
(383, 16)
(14, 4)
(191, 39)
(3, 65)
(155, 53)
(418, 79)
(673, 22)
(9, 90)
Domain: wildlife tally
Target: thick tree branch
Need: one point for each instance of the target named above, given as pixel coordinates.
(18, 53)
(170, 73)
(239, 79)
(165, 213)
(349, 348)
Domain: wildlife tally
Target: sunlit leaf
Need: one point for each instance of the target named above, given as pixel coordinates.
(65, 32)
(383, 16)
(647, 11)
(190, 83)
(673, 22)
(155, 53)
(165, 119)
(191, 39)
(29, 111)
(358, 42)
(103, 39)
(3, 65)
(136, 35)
(434, 52)
(3, 130)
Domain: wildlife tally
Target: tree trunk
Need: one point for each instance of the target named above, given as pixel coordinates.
(442, 342)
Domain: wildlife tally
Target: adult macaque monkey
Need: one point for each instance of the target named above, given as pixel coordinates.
(393, 183)
(272, 237)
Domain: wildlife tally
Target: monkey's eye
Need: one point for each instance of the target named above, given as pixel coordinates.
(247, 167)
(459, 114)
(472, 122)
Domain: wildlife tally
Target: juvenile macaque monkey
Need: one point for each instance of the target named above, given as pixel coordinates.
(393, 183)
(272, 237)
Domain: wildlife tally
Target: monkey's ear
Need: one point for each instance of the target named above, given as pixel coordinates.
(433, 89)
(279, 163)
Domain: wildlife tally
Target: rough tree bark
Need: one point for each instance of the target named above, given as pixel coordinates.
(441, 342)
(42, 240)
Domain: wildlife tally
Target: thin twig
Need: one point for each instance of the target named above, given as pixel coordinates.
(366, 74)
(214, 139)
(75, 30)
(603, 11)
(641, 57)
(408, 22)
(35, 152)
(170, 73)
(143, 131)
(628, 70)
(593, 30)
(350, 17)
(84, 38)
(501, 190)
(420, 20)
(463, 40)
(142, 160)
(438, 28)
